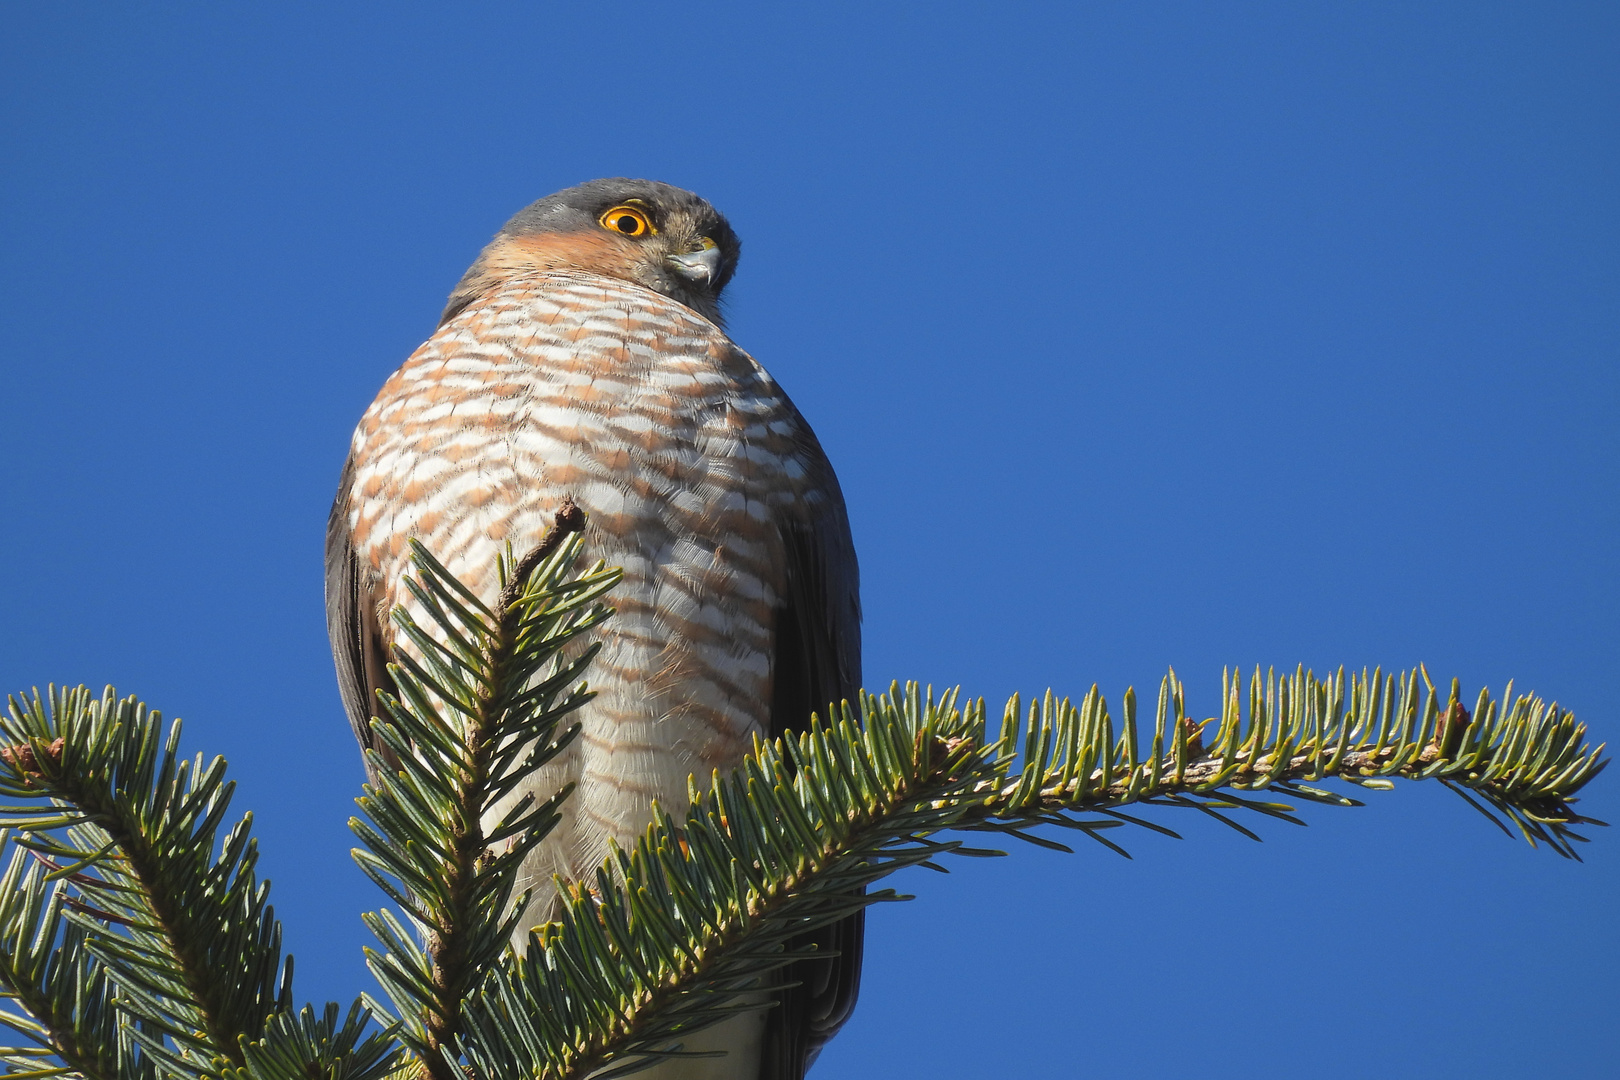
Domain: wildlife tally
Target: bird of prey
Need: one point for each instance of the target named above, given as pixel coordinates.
(583, 356)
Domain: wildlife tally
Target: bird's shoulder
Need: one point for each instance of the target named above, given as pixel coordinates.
(578, 311)
(567, 327)
(571, 334)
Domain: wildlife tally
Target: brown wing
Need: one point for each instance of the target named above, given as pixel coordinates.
(817, 662)
(358, 647)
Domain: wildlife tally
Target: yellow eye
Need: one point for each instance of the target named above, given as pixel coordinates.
(628, 221)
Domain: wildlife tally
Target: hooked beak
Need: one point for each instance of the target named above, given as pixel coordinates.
(700, 267)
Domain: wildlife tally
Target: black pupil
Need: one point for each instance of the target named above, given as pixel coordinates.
(626, 224)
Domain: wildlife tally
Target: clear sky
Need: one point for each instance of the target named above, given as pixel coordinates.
(1192, 334)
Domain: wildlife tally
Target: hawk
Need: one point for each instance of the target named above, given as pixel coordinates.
(583, 356)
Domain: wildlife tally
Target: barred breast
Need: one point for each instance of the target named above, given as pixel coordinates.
(685, 455)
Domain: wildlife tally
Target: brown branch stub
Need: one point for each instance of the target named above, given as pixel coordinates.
(1195, 736)
(22, 757)
(81, 880)
(570, 519)
(1449, 732)
(97, 913)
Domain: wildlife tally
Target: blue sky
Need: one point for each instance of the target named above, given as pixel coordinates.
(1139, 334)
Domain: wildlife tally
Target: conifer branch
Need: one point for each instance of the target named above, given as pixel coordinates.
(482, 696)
(132, 827)
(304, 1046)
(134, 936)
(64, 993)
(135, 939)
(694, 923)
(1527, 759)
(669, 937)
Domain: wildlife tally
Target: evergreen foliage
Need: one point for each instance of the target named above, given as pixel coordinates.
(136, 942)
(476, 715)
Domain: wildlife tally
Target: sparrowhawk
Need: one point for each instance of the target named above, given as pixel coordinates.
(583, 356)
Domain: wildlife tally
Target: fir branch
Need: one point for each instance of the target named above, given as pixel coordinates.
(671, 937)
(303, 1046)
(129, 945)
(482, 697)
(197, 950)
(1527, 760)
(68, 1013)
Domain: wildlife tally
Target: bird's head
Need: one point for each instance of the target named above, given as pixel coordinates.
(655, 235)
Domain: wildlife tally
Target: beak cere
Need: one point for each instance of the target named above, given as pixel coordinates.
(699, 267)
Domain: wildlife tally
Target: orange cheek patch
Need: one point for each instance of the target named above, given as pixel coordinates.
(596, 252)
